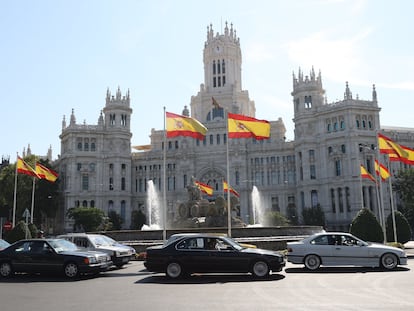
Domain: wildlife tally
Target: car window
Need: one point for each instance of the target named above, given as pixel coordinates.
(191, 243)
(321, 240)
(81, 242)
(22, 248)
(348, 241)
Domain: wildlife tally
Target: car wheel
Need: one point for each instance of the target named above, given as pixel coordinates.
(312, 262)
(260, 269)
(6, 269)
(389, 261)
(71, 270)
(174, 270)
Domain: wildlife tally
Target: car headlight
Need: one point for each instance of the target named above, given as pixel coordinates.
(93, 260)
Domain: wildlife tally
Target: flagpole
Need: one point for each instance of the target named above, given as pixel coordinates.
(33, 196)
(164, 191)
(381, 195)
(394, 225)
(15, 193)
(228, 179)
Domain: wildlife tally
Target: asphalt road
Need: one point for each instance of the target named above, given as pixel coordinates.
(133, 288)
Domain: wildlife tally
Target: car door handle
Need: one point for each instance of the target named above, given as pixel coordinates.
(337, 248)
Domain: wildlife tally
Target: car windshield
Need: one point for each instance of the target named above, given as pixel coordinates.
(101, 240)
(109, 240)
(61, 245)
(233, 243)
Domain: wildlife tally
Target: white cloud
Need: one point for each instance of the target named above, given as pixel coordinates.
(337, 58)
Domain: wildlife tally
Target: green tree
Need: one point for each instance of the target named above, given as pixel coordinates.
(366, 227)
(86, 218)
(115, 220)
(19, 232)
(273, 218)
(313, 216)
(402, 227)
(138, 219)
(404, 187)
(46, 193)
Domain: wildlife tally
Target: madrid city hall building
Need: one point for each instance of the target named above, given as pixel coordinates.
(321, 166)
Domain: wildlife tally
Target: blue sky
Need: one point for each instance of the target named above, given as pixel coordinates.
(56, 56)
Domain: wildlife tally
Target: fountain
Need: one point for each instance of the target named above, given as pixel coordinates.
(257, 208)
(153, 208)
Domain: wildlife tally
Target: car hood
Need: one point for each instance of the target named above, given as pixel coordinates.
(261, 251)
(82, 253)
(379, 246)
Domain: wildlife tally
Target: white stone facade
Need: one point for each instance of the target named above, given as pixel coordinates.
(321, 165)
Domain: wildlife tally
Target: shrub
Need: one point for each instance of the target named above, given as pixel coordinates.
(366, 227)
(275, 219)
(402, 227)
(313, 216)
(19, 232)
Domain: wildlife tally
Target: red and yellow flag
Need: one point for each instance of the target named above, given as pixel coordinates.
(178, 125)
(407, 160)
(24, 168)
(365, 174)
(226, 189)
(204, 187)
(388, 146)
(381, 170)
(46, 173)
(240, 126)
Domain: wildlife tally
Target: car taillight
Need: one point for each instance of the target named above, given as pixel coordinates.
(86, 261)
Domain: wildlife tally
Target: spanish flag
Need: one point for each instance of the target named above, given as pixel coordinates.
(24, 168)
(407, 160)
(381, 170)
(46, 173)
(240, 126)
(178, 125)
(226, 189)
(365, 174)
(204, 188)
(388, 146)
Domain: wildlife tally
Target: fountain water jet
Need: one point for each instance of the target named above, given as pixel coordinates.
(154, 216)
(257, 207)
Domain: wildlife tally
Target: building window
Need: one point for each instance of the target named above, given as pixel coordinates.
(123, 210)
(338, 167)
(275, 204)
(314, 198)
(84, 203)
(85, 182)
(79, 166)
(111, 183)
(211, 139)
(343, 148)
(92, 203)
(123, 183)
(342, 124)
(340, 200)
(312, 171)
(110, 205)
(311, 155)
(80, 146)
(218, 139)
(185, 181)
(333, 200)
(347, 199)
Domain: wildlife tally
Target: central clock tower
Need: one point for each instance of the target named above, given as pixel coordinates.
(222, 77)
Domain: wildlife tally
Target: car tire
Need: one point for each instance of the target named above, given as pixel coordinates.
(312, 262)
(174, 270)
(260, 269)
(6, 269)
(389, 261)
(71, 270)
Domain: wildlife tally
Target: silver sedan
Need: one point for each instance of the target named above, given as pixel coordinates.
(343, 249)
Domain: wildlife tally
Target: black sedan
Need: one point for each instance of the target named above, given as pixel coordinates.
(51, 255)
(202, 253)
